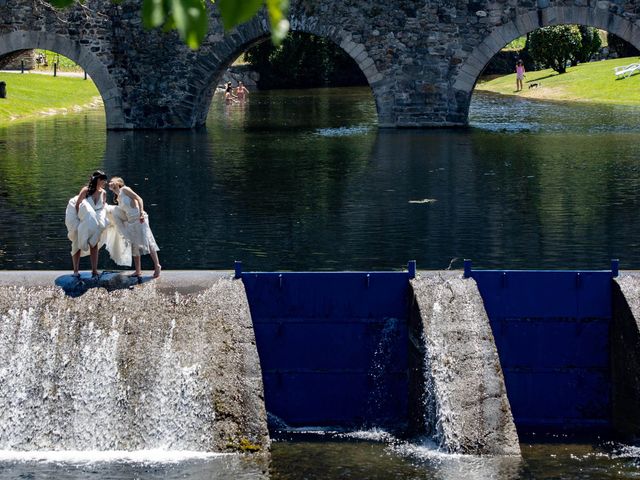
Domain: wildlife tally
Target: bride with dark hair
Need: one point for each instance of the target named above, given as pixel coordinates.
(86, 219)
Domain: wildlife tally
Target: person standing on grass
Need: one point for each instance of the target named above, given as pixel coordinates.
(519, 75)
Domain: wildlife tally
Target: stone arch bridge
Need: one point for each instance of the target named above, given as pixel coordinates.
(421, 58)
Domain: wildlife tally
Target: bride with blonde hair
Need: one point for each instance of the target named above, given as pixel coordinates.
(132, 223)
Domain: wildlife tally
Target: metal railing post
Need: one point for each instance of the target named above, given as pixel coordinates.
(411, 268)
(467, 268)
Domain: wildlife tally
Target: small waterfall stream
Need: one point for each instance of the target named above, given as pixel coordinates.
(129, 370)
(381, 369)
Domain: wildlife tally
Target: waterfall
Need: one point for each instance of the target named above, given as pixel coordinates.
(463, 392)
(129, 370)
(381, 369)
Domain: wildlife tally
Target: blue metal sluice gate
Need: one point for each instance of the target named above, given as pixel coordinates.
(334, 346)
(551, 330)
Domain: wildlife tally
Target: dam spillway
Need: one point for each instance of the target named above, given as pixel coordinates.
(343, 349)
(129, 370)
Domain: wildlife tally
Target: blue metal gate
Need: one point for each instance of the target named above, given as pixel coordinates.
(333, 345)
(552, 333)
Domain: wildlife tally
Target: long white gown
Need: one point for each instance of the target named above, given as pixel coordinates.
(85, 226)
(126, 218)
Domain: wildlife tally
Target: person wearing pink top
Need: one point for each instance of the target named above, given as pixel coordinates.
(519, 75)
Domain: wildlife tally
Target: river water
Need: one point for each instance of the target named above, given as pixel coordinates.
(306, 180)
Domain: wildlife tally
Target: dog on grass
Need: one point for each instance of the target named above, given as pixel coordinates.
(534, 85)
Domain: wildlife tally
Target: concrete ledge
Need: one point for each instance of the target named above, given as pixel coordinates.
(625, 354)
(171, 281)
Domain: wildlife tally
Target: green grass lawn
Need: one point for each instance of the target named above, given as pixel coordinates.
(588, 82)
(32, 96)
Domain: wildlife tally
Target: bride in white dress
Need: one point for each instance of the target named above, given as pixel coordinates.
(132, 223)
(86, 220)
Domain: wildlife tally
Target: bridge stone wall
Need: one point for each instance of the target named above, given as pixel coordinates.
(421, 58)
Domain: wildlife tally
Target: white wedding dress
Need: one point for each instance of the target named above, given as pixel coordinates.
(85, 226)
(126, 218)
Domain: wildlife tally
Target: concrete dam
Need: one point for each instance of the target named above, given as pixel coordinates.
(216, 361)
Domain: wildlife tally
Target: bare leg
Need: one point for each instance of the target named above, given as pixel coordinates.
(156, 263)
(93, 254)
(136, 262)
(75, 259)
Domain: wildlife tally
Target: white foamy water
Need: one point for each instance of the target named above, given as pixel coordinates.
(626, 451)
(121, 372)
(373, 435)
(342, 131)
(96, 456)
(69, 383)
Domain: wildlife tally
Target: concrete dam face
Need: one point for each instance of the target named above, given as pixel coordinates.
(129, 370)
(469, 362)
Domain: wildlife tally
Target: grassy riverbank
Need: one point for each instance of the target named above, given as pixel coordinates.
(32, 96)
(588, 82)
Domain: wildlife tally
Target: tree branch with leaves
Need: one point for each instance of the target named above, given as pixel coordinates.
(190, 18)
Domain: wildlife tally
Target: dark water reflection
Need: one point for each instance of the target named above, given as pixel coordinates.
(307, 181)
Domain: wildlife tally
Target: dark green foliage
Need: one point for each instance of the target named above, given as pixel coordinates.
(303, 61)
(621, 47)
(590, 44)
(553, 47)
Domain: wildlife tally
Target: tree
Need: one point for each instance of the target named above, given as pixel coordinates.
(590, 44)
(553, 47)
(190, 18)
(303, 61)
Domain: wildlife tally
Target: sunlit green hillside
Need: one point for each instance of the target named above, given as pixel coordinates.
(588, 82)
(30, 96)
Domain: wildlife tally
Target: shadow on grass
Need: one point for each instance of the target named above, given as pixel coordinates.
(542, 78)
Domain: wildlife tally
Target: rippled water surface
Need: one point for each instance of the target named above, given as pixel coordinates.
(305, 180)
(348, 457)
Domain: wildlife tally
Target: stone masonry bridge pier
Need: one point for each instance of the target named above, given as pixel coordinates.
(421, 58)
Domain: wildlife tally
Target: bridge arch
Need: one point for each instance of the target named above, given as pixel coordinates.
(79, 53)
(255, 32)
(482, 54)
